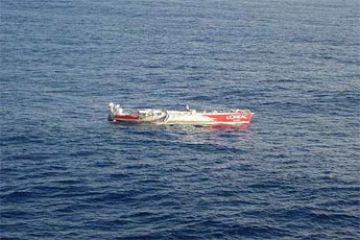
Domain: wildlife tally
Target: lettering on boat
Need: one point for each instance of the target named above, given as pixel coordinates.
(235, 117)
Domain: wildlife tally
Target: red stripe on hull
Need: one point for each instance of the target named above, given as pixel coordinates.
(231, 117)
(126, 117)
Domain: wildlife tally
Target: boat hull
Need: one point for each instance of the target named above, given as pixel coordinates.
(161, 117)
(185, 118)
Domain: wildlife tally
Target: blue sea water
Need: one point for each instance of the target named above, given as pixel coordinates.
(67, 173)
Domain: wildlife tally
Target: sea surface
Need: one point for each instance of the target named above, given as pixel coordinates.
(68, 173)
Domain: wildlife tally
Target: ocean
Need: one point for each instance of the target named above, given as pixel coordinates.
(68, 173)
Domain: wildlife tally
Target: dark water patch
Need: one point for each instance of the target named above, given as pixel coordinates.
(341, 220)
(18, 197)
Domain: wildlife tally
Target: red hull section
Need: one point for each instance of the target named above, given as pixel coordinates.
(127, 117)
(231, 118)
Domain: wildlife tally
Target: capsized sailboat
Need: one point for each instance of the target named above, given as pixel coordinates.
(170, 117)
